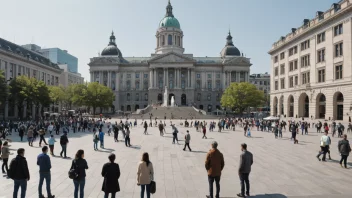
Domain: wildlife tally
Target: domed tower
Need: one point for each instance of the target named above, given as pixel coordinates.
(229, 49)
(111, 49)
(169, 36)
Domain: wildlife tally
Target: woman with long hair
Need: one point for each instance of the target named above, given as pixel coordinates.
(145, 174)
(111, 174)
(80, 165)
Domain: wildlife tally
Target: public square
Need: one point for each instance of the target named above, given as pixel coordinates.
(281, 168)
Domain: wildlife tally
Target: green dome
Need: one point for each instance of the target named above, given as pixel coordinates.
(169, 21)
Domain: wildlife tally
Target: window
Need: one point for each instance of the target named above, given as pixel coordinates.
(128, 97)
(128, 75)
(161, 84)
(218, 75)
(171, 84)
(282, 55)
(209, 97)
(305, 78)
(293, 65)
(338, 49)
(305, 61)
(321, 55)
(209, 84)
(199, 96)
(209, 75)
(217, 97)
(137, 96)
(338, 72)
(146, 96)
(304, 45)
(145, 85)
(198, 75)
(145, 76)
(296, 80)
(169, 39)
(292, 51)
(321, 75)
(128, 84)
(276, 71)
(282, 83)
(338, 30)
(282, 69)
(183, 82)
(291, 82)
(321, 37)
(137, 84)
(218, 84)
(276, 85)
(276, 59)
(137, 75)
(198, 84)
(264, 82)
(260, 83)
(178, 40)
(162, 40)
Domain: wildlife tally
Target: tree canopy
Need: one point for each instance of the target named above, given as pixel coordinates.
(97, 95)
(240, 96)
(3, 87)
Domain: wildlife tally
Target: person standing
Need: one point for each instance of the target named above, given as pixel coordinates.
(145, 174)
(95, 140)
(63, 143)
(19, 173)
(214, 164)
(101, 138)
(41, 135)
(187, 140)
(324, 146)
(111, 174)
(246, 161)
(80, 165)
(50, 128)
(204, 132)
(161, 128)
(21, 132)
(174, 134)
(43, 161)
(51, 142)
(5, 152)
(116, 133)
(127, 137)
(30, 136)
(344, 149)
(146, 127)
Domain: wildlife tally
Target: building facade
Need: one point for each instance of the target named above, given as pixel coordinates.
(311, 67)
(15, 61)
(261, 81)
(140, 81)
(67, 78)
(58, 56)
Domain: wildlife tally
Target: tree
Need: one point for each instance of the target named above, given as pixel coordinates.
(240, 96)
(20, 90)
(78, 92)
(97, 95)
(3, 88)
(40, 95)
(56, 94)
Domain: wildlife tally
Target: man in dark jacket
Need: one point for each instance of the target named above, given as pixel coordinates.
(63, 143)
(19, 173)
(246, 161)
(214, 164)
(43, 161)
(345, 149)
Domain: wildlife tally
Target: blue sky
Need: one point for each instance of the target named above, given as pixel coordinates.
(83, 27)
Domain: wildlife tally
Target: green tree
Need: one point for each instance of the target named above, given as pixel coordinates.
(78, 93)
(20, 90)
(97, 95)
(3, 88)
(56, 94)
(240, 96)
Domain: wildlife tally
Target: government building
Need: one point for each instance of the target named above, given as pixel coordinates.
(311, 72)
(193, 81)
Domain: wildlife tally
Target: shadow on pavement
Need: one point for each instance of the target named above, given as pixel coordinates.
(269, 196)
(338, 162)
(199, 152)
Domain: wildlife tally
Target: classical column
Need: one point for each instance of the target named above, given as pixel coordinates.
(133, 80)
(238, 75)
(117, 83)
(109, 79)
(101, 77)
(167, 77)
(193, 81)
(175, 78)
(223, 80)
(187, 85)
(151, 78)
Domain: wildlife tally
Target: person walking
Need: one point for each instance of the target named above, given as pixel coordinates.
(146, 127)
(43, 161)
(95, 140)
(204, 132)
(51, 142)
(214, 163)
(116, 133)
(324, 146)
(80, 165)
(161, 128)
(101, 138)
(174, 134)
(246, 161)
(30, 136)
(127, 137)
(5, 152)
(50, 128)
(187, 140)
(111, 174)
(63, 143)
(344, 149)
(21, 132)
(41, 135)
(19, 173)
(145, 174)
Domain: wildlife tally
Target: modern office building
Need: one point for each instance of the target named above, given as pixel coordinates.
(311, 67)
(58, 56)
(141, 81)
(15, 61)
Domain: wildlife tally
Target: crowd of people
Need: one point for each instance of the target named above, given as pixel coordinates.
(214, 162)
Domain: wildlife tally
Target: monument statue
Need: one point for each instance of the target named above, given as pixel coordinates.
(165, 97)
(172, 101)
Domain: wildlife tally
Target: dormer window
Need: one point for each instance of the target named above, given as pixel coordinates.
(305, 23)
(336, 7)
(320, 15)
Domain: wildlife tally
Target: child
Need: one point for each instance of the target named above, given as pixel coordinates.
(51, 142)
(249, 132)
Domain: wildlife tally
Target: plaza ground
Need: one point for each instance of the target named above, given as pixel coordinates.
(281, 169)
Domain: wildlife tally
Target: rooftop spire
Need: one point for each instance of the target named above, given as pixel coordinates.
(169, 10)
(112, 39)
(229, 39)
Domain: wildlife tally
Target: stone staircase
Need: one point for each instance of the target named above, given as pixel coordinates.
(177, 112)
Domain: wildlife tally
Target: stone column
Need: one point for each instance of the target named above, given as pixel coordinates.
(101, 80)
(175, 78)
(167, 78)
(109, 79)
(117, 83)
(187, 85)
(133, 81)
(238, 76)
(193, 82)
(155, 78)
(223, 80)
(151, 78)
(213, 78)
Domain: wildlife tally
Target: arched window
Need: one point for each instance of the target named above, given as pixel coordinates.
(209, 97)
(128, 97)
(137, 96)
(199, 96)
(146, 97)
(169, 39)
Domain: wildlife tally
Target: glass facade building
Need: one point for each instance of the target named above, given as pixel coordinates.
(59, 56)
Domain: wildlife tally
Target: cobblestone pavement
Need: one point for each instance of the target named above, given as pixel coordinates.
(281, 169)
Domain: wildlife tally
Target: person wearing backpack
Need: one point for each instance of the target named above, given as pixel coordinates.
(111, 174)
(43, 161)
(19, 173)
(63, 143)
(79, 164)
(324, 145)
(344, 149)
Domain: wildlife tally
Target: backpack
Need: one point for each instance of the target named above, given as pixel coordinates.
(73, 172)
(13, 167)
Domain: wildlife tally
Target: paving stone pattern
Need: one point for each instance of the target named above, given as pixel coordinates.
(281, 169)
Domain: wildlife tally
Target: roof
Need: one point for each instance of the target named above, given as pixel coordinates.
(25, 53)
(208, 59)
